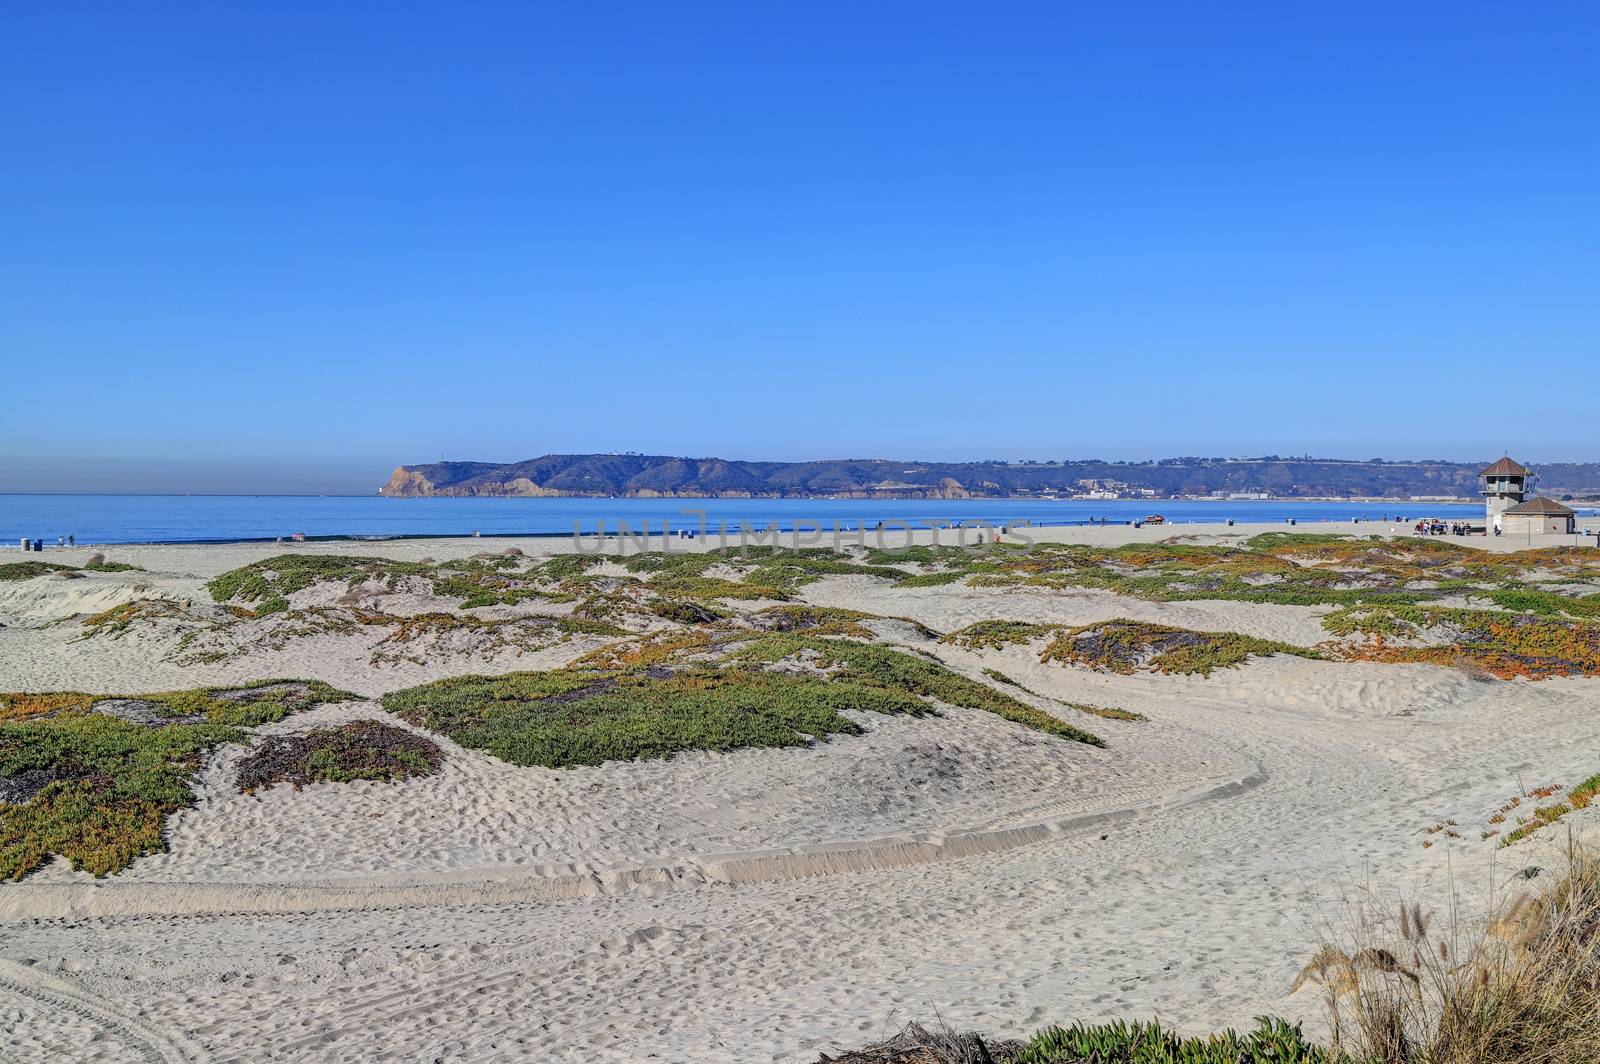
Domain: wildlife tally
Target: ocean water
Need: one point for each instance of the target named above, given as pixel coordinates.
(96, 519)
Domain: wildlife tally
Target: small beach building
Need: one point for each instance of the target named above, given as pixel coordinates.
(1505, 484)
(1538, 517)
(1509, 511)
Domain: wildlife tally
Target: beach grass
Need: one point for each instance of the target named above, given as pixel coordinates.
(1517, 986)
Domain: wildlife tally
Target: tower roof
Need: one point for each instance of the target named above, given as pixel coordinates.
(1541, 507)
(1505, 468)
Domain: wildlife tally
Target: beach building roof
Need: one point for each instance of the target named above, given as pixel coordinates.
(1505, 468)
(1542, 507)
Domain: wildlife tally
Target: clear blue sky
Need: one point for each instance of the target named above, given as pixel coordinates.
(289, 246)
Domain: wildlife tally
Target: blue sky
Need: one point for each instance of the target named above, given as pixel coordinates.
(289, 246)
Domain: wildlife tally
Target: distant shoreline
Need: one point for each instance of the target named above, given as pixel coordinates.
(1273, 500)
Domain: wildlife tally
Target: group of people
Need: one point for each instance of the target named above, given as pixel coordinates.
(1435, 527)
(38, 544)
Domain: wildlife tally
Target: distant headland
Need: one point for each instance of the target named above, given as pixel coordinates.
(663, 476)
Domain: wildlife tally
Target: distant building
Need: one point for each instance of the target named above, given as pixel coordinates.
(1538, 517)
(1508, 510)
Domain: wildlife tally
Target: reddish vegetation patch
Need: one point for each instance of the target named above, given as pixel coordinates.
(359, 750)
(1506, 645)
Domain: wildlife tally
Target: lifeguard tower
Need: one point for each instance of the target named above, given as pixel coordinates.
(1508, 509)
(1505, 485)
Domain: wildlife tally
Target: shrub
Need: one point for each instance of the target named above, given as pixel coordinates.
(817, 620)
(684, 612)
(359, 750)
(97, 564)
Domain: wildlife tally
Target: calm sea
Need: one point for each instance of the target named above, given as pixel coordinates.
(195, 518)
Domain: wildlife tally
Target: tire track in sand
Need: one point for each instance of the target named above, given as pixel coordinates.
(151, 1044)
(49, 901)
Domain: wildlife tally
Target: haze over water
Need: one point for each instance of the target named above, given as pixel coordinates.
(184, 518)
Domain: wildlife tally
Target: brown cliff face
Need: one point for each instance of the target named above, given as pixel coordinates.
(407, 484)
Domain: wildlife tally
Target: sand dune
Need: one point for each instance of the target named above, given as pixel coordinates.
(765, 904)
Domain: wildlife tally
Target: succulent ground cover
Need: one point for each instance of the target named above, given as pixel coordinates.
(118, 620)
(1299, 569)
(205, 637)
(699, 692)
(485, 580)
(1531, 613)
(734, 573)
(1518, 825)
(1272, 1041)
(357, 750)
(1128, 646)
(94, 777)
(1500, 643)
(29, 569)
(1307, 569)
(991, 635)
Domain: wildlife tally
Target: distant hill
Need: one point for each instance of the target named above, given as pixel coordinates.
(653, 476)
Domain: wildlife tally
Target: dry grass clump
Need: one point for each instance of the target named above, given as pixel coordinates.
(1523, 990)
(939, 1044)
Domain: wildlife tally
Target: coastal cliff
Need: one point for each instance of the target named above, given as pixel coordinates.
(665, 476)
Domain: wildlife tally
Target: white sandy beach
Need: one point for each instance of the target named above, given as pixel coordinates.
(764, 905)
